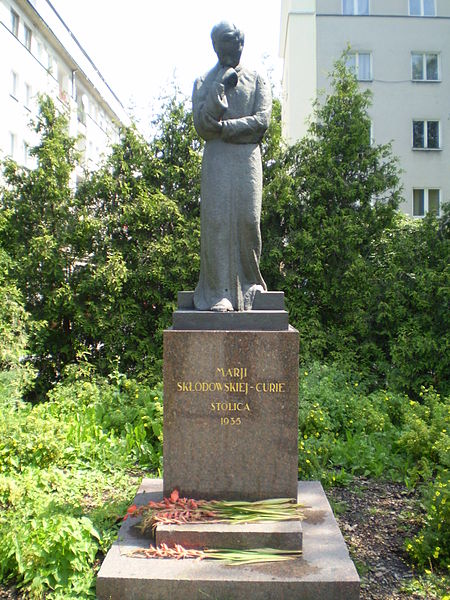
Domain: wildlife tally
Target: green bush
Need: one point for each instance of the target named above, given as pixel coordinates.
(84, 422)
(409, 302)
(425, 435)
(345, 427)
(52, 525)
(345, 430)
(16, 376)
(431, 546)
(120, 417)
(29, 437)
(63, 481)
(56, 552)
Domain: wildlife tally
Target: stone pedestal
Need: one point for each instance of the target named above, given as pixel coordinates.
(268, 314)
(323, 572)
(231, 414)
(231, 432)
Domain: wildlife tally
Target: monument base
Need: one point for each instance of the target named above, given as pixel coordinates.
(268, 314)
(323, 572)
(231, 414)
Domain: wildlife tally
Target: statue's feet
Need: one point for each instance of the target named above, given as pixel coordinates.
(250, 296)
(223, 305)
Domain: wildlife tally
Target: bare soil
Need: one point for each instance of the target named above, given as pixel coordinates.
(375, 518)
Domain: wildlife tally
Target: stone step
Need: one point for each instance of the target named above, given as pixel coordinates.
(323, 572)
(283, 535)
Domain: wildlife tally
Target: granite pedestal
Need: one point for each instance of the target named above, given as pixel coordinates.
(231, 413)
(230, 432)
(268, 314)
(323, 572)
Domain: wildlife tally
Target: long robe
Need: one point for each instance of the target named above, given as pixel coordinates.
(231, 189)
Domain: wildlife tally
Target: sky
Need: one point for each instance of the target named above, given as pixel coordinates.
(142, 46)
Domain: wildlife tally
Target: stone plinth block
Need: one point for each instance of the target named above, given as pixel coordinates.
(268, 314)
(323, 572)
(262, 301)
(263, 320)
(285, 535)
(230, 414)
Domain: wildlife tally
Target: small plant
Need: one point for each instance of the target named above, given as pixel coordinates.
(428, 587)
(431, 546)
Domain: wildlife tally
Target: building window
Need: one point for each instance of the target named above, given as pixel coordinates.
(361, 64)
(426, 201)
(27, 95)
(425, 66)
(355, 7)
(27, 37)
(422, 8)
(14, 84)
(12, 144)
(426, 135)
(81, 112)
(15, 23)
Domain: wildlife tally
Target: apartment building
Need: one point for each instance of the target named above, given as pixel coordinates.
(39, 54)
(400, 50)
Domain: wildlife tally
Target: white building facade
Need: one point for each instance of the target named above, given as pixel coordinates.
(400, 50)
(39, 54)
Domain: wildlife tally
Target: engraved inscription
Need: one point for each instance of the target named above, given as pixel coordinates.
(230, 421)
(235, 372)
(232, 387)
(231, 380)
(229, 406)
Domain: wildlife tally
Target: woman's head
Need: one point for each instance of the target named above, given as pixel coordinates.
(228, 43)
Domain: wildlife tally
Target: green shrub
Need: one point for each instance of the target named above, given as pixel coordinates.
(344, 428)
(52, 525)
(55, 552)
(411, 267)
(425, 435)
(431, 546)
(62, 481)
(382, 433)
(122, 413)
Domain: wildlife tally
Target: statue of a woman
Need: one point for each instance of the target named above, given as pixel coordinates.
(232, 107)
